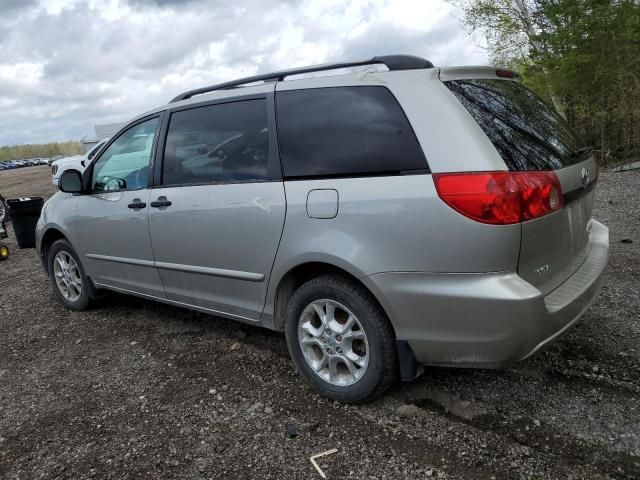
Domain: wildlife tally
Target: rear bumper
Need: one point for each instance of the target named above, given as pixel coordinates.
(486, 320)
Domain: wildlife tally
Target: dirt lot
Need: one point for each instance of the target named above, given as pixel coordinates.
(141, 390)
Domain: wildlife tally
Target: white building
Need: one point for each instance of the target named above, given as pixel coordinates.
(107, 130)
(101, 132)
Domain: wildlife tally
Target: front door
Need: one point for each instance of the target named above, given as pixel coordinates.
(217, 216)
(112, 223)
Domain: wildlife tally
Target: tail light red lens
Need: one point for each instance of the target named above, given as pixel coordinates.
(500, 198)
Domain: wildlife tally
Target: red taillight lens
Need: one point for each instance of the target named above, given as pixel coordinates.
(500, 198)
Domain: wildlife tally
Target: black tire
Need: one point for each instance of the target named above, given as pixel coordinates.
(84, 300)
(382, 369)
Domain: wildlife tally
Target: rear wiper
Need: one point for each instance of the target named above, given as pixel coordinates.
(581, 151)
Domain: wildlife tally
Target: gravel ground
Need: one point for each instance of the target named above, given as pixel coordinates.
(134, 389)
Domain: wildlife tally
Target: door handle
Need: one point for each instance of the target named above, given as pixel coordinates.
(161, 202)
(137, 203)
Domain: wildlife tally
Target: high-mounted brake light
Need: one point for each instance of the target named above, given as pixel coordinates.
(500, 72)
(500, 198)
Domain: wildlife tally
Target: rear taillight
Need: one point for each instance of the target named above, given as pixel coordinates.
(500, 198)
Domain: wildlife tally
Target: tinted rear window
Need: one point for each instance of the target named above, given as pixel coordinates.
(528, 133)
(345, 131)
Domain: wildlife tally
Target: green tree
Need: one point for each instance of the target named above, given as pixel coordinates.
(46, 150)
(583, 55)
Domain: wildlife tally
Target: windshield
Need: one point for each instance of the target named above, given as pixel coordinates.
(528, 133)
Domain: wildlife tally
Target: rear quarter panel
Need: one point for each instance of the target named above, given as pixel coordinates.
(389, 224)
(398, 223)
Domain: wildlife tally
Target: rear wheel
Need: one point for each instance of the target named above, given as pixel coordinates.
(68, 280)
(340, 339)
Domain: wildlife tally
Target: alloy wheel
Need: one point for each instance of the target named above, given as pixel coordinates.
(67, 276)
(333, 342)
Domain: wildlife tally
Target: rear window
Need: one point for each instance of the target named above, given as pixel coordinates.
(528, 133)
(345, 131)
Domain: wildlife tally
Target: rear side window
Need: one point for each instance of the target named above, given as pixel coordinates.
(223, 143)
(528, 133)
(345, 131)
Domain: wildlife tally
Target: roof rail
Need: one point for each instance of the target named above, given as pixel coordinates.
(392, 62)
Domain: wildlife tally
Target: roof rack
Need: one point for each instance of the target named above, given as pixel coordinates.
(392, 62)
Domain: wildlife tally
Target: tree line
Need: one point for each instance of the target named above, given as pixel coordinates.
(45, 150)
(581, 55)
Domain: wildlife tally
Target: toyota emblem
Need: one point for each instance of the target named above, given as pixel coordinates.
(586, 176)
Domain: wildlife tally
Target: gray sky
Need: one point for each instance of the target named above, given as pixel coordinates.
(66, 65)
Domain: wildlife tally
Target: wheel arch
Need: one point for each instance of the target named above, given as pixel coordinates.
(301, 273)
(49, 237)
(295, 276)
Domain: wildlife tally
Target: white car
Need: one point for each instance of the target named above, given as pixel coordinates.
(75, 162)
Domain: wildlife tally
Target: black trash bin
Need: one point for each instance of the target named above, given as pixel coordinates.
(24, 214)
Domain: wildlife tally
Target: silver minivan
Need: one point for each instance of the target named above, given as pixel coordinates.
(385, 219)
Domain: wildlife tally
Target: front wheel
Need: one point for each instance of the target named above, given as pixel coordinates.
(68, 280)
(340, 339)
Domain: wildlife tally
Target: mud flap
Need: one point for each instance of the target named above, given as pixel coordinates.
(410, 369)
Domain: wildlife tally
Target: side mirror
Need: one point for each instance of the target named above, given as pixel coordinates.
(70, 182)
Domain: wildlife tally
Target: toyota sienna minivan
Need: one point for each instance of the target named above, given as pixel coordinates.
(392, 217)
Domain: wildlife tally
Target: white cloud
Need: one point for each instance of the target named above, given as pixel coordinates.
(66, 65)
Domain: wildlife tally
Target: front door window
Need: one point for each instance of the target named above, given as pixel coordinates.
(124, 165)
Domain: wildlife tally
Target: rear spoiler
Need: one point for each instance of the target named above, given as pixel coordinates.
(469, 73)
